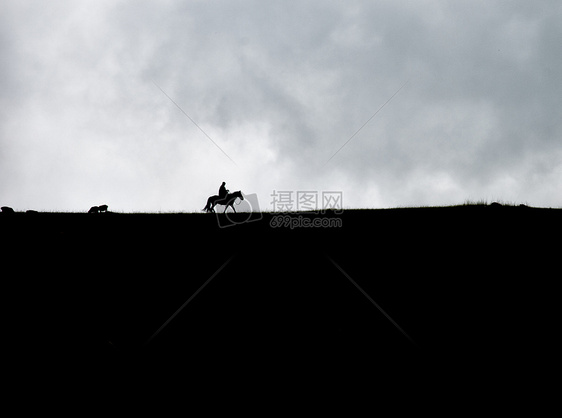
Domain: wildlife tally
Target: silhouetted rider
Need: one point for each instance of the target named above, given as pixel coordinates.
(222, 191)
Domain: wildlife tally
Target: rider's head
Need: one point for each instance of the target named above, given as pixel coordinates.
(223, 183)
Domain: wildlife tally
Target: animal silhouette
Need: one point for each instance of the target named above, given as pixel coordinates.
(229, 200)
(98, 209)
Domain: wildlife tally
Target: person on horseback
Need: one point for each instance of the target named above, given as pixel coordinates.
(224, 198)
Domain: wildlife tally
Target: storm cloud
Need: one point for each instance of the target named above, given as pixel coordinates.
(87, 116)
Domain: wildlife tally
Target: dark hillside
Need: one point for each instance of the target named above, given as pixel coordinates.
(466, 291)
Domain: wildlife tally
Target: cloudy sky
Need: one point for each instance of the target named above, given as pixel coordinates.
(91, 93)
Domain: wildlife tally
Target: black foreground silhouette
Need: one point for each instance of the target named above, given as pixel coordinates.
(474, 287)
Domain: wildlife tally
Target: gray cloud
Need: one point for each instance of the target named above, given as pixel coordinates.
(280, 86)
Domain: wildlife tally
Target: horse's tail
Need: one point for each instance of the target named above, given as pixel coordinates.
(207, 208)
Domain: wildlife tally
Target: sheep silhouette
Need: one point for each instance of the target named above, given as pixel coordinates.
(98, 209)
(7, 209)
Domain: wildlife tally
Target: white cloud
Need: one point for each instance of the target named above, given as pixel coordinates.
(279, 87)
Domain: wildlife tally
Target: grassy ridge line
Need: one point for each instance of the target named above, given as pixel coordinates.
(466, 204)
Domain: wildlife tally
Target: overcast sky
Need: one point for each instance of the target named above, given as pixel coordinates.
(279, 86)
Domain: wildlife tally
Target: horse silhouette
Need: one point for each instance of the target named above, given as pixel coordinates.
(229, 200)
